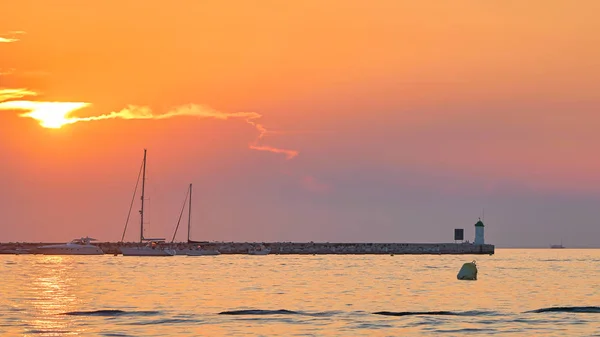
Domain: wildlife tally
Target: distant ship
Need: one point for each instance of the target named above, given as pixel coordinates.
(557, 246)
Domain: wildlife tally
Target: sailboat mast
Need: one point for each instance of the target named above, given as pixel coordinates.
(190, 213)
(142, 208)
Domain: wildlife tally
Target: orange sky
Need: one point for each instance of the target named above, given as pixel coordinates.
(499, 97)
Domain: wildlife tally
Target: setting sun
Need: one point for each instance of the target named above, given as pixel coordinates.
(51, 115)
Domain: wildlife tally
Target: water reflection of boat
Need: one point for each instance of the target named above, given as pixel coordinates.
(75, 247)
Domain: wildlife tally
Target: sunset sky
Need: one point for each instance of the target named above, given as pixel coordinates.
(353, 120)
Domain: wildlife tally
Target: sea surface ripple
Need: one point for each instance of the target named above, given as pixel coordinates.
(518, 293)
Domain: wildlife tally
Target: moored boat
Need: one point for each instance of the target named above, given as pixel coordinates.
(199, 250)
(80, 246)
(153, 247)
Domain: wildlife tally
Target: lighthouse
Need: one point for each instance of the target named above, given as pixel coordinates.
(479, 238)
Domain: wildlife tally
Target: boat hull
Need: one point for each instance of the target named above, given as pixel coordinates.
(69, 251)
(145, 251)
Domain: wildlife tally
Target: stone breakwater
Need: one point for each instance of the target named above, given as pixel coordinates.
(299, 248)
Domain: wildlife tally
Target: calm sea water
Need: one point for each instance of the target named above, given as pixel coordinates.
(301, 295)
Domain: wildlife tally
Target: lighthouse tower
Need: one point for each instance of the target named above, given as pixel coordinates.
(479, 238)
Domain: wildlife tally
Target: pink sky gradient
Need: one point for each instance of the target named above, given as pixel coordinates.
(406, 119)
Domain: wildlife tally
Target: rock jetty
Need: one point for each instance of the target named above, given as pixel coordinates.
(299, 248)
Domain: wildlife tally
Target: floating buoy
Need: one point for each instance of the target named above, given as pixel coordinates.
(468, 271)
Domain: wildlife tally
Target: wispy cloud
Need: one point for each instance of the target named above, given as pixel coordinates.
(289, 154)
(7, 39)
(201, 111)
(193, 110)
(7, 94)
(10, 36)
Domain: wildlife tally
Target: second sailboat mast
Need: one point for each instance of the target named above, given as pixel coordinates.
(142, 208)
(189, 213)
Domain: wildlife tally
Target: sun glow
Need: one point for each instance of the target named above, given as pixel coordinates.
(51, 115)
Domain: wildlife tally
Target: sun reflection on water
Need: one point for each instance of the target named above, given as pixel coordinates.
(52, 293)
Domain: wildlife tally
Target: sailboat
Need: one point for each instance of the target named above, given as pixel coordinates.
(198, 251)
(152, 247)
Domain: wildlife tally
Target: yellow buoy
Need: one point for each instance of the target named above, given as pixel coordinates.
(468, 271)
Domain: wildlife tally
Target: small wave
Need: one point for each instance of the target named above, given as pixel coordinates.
(277, 312)
(434, 313)
(169, 321)
(555, 260)
(109, 312)
(44, 332)
(466, 330)
(373, 326)
(595, 310)
(411, 313)
(260, 312)
(15, 309)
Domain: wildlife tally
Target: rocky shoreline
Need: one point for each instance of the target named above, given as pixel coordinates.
(299, 248)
